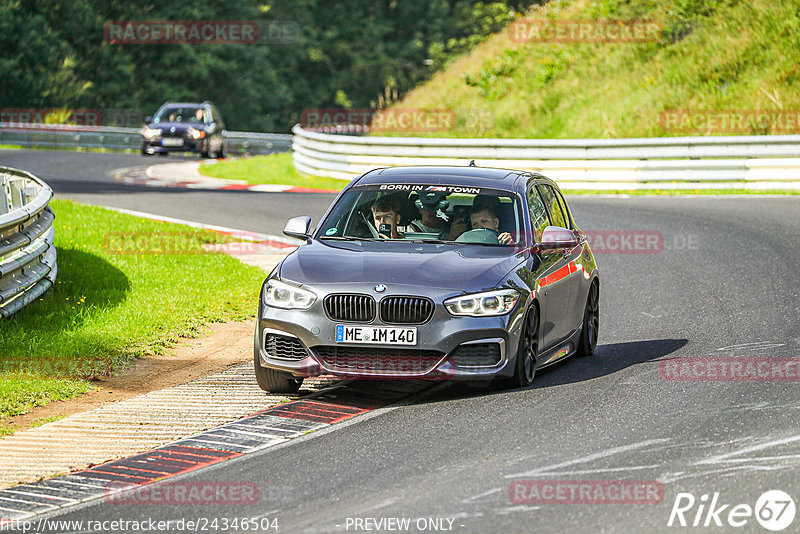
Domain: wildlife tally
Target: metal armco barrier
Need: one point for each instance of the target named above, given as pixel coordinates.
(765, 159)
(69, 136)
(27, 254)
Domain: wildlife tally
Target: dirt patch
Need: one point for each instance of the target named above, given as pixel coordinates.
(221, 346)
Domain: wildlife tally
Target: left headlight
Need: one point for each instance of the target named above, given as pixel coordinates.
(487, 303)
(278, 294)
(194, 133)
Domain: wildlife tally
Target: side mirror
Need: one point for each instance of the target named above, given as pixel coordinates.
(148, 119)
(298, 227)
(555, 238)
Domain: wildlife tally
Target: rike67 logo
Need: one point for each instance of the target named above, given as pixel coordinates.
(774, 510)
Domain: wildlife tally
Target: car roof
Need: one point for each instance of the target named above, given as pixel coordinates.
(184, 104)
(485, 177)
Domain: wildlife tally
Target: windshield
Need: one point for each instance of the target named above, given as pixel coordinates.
(426, 213)
(180, 114)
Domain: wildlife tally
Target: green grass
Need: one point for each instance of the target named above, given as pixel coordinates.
(20, 393)
(126, 287)
(712, 55)
(44, 420)
(272, 169)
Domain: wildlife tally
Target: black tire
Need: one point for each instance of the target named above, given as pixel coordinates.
(591, 322)
(273, 381)
(527, 352)
(206, 150)
(221, 151)
(144, 151)
(164, 154)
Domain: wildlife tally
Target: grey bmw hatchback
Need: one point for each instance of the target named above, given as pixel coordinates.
(464, 273)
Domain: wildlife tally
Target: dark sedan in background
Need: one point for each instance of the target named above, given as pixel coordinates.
(185, 127)
(431, 272)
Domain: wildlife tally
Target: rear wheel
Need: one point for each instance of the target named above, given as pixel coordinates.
(273, 381)
(525, 368)
(591, 322)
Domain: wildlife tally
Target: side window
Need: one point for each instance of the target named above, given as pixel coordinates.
(538, 213)
(564, 209)
(550, 200)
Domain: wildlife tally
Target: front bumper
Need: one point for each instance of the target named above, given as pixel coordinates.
(188, 145)
(433, 357)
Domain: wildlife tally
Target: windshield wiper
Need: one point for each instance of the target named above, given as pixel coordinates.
(350, 238)
(433, 241)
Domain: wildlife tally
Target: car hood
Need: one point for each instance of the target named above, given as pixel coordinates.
(179, 126)
(453, 267)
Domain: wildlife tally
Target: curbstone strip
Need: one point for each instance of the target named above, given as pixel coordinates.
(261, 430)
(185, 174)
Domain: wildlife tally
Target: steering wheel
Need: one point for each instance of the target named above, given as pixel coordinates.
(480, 235)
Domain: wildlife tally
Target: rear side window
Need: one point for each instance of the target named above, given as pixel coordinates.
(553, 207)
(564, 209)
(538, 213)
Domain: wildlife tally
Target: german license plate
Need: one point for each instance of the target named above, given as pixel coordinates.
(376, 335)
(172, 141)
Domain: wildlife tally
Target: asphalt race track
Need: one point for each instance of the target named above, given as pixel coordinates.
(723, 282)
(88, 177)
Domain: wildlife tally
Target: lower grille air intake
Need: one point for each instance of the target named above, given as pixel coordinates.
(477, 355)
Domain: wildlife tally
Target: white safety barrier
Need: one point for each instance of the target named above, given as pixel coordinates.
(27, 254)
(70, 136)
(769, 161)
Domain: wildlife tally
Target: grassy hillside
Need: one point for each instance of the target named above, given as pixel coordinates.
(710, 55)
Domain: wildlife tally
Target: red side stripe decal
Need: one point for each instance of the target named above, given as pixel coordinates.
(559, 274)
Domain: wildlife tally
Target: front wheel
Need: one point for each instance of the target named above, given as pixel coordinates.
(591, 322)
(273, 381)
(525, 368)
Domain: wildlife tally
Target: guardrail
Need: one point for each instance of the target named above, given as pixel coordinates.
(70, 136)
(27, 255)
(766, 161)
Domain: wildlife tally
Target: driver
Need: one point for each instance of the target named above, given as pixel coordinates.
(484, 215)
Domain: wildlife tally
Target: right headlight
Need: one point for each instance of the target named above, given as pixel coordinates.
(150, 133)
(487, 303)
(279, 294)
